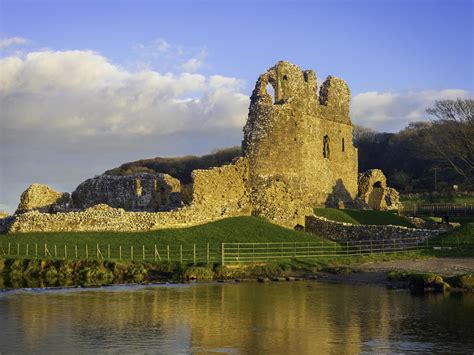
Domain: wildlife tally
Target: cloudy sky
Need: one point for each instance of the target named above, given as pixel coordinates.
(88, 85)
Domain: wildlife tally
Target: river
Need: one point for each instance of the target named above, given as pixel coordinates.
(305, 317)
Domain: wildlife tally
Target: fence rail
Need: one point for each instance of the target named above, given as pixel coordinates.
(437, 209)
(178, 253)
(225, 253)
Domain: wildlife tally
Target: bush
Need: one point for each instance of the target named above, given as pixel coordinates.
(198, 273)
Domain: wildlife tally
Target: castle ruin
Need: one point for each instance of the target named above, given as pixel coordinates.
(297, 155)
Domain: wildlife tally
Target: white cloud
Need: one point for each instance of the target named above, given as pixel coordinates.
(392, 111)
(80, 93)
(12, 41)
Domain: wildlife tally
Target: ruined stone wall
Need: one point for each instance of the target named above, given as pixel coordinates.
(42, 198)
(339, 231)
(223, 188)
(141, 192)
(101, 218)
(296, 141)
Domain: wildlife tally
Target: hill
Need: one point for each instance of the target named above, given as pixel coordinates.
(178, 167)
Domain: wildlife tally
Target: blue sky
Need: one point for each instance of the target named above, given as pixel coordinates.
(374, 45)
(88, 85)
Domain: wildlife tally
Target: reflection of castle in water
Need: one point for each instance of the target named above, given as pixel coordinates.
(305, 317)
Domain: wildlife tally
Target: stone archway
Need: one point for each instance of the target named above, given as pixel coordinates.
(372, 189)
(376, 196)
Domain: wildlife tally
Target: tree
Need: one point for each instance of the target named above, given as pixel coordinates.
(451, 136)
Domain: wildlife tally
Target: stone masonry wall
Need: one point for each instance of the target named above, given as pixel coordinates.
(223, 188)
(141, 192)
(101, 218)
(338, 231)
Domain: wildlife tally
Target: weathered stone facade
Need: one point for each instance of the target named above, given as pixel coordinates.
(223, 188)
(339, 231)
(141, 192)
(42, 198)
(300, 141)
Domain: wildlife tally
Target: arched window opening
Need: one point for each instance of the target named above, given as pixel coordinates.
(343, 147)
(271, 91)
(326, 150)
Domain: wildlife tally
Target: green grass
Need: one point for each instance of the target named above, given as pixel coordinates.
(460, 220)
(230, 230)
(362, 217)
(441, 199)
(462, 235)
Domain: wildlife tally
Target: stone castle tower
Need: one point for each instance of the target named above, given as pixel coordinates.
(299, 143)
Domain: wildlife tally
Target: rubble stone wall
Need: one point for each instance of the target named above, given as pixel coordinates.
(141, 192)
(339, 231)
(223, 188)
(101, 218)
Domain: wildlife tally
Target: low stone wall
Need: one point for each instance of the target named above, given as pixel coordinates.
(101, 218)
(338, 231)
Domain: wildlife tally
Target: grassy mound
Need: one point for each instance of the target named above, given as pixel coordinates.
(362, 217)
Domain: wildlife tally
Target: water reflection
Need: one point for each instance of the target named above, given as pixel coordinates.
(304, 317)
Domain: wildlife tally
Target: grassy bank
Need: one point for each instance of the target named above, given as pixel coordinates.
(179, 240)
(362, 217)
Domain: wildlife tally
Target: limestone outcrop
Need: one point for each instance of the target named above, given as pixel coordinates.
(141, 192)
(43, 198)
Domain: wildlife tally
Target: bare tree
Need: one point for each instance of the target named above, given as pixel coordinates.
(452, 136)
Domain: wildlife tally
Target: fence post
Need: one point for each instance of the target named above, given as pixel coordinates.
(222, 254)
(181, 254)
(65, 251)
(207, 256)
(108, 251)
(36, 250)
(98, 252)
(194, 254)
(75, 250)
(143, 251)
(55, 251)
(27, 251)
(46, 250)
(131, 252)
(168, 252)
(87, 251)
(120, 252)
(156, 252)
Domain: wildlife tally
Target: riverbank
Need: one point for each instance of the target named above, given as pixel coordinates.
(441, 274)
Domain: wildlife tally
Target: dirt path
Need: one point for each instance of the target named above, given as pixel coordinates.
(375, 273)
(444, 266)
